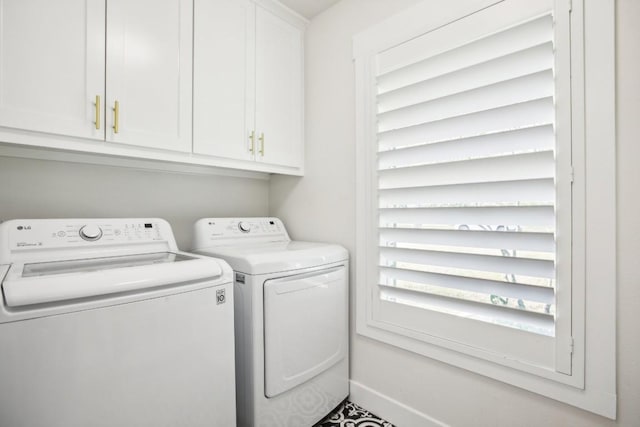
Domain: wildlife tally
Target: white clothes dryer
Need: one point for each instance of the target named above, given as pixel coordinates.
(291, 320)
(104, 322)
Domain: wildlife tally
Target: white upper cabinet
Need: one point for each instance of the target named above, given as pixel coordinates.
(223, 78)
(248, 78)
(279, 93)
(149, 64)
(201, 82)
(52, 64)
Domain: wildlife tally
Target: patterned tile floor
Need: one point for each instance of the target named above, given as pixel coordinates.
(351, 415)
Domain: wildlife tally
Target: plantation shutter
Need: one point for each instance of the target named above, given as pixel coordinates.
(466, 177)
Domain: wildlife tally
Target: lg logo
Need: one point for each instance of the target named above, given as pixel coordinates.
(24, 227)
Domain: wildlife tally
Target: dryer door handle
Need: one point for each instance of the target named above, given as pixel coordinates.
(301, 282)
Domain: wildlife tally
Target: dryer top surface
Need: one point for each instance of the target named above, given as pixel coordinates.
(273, 257)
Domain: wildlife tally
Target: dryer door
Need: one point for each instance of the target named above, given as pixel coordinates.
(305, 326)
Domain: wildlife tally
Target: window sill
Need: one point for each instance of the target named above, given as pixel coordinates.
(598, 402)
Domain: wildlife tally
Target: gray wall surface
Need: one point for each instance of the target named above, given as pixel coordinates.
(52, 189)
(321, 206)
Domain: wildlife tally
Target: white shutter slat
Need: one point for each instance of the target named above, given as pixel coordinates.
(515, 91)
(465, 273)
(534, 322)
(500, 264)
(537, 190)
(514, 302)
(472, 250)
(394, 71)
(421, 282)
(511, 217)
(542, 242)
(517, 301)
(463, 227)
(532, 138)
(534, 165)
(512, 117)
(518, 64)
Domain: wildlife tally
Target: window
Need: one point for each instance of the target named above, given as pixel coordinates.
(471, 234)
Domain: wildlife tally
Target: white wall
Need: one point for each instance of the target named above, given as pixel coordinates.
(50, 189)
(320, 207)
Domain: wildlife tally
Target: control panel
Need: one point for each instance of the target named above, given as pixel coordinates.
(47, 234)
(219, 231)
(247, 226)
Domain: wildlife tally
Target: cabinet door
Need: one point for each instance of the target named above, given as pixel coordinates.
(279, 101)
(52, 66)
(149, 51)
(224, 83)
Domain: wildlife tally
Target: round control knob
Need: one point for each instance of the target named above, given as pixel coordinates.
(90, 232)
(244, 227)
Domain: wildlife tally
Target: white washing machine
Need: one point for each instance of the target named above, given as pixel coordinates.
(105, 323)
(291, 318)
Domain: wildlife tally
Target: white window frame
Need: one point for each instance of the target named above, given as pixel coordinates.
(588, 381)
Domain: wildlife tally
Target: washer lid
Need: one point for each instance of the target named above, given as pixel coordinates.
(277, 256)
(47, 282)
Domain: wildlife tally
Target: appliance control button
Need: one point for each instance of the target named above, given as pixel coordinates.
(90, 232)
(244, 227)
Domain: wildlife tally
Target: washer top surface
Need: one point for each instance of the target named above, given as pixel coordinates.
(52, 266)
(261, 246)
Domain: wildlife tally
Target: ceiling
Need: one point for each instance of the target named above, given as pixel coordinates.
(309, 8)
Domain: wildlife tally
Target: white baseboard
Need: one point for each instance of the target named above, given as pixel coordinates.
(397, 413)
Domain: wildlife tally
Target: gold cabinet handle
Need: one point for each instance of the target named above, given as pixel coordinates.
(261, 139)
(252, 138)
(116, 117)
(98, 111)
